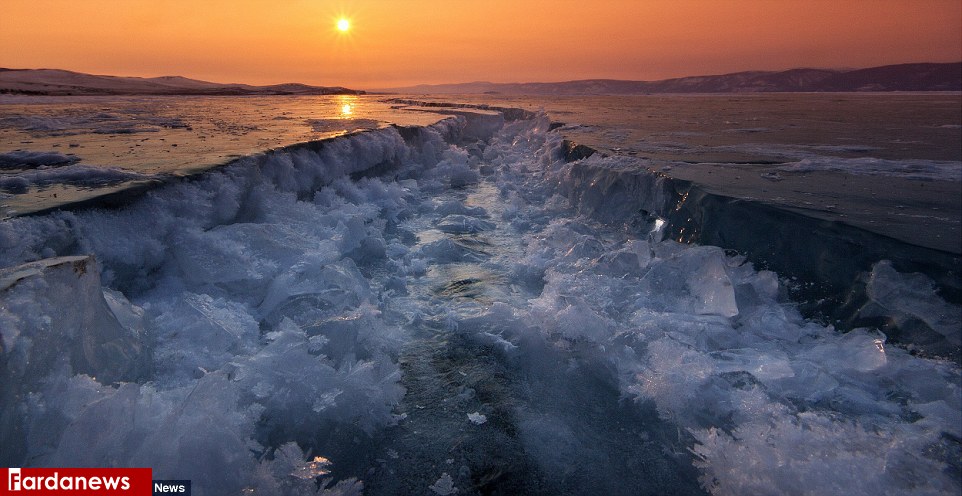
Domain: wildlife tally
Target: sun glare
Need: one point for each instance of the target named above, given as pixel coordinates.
(343, 25)
(346, 103)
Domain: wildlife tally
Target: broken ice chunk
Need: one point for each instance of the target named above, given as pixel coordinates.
(461, 224)
(477, 418)
(912, 302)
(54, 311)
(712, 288)
(444, 486)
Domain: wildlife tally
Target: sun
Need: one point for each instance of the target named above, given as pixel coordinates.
(343, 25)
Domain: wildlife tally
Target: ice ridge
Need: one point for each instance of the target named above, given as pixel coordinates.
(451, 308)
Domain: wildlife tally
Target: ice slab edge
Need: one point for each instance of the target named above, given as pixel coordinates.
(56, 316)
(831, 264)
(472, 124)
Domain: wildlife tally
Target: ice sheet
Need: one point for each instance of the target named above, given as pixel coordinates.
(461, 296)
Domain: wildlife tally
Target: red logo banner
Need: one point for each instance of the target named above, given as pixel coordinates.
(75, 481)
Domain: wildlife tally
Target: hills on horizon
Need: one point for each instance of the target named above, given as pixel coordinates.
(900, 77)
(58, 82)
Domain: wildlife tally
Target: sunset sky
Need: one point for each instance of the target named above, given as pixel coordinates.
(404, 42)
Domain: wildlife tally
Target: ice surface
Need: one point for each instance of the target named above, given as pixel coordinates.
(76, 175)
(25, 159)
(328, 125)
(103, 122)
(308, 326)
(926, 170)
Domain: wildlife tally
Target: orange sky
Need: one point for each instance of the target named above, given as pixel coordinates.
(402, 42)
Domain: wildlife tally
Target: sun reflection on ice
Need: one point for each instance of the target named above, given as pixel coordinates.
(346, 105)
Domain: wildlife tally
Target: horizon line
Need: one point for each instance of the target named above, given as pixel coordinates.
(416, 85)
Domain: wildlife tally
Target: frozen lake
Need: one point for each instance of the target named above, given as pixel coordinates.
(451, 305)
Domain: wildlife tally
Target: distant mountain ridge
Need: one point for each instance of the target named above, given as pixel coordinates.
(61, 82)
(901, 77)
